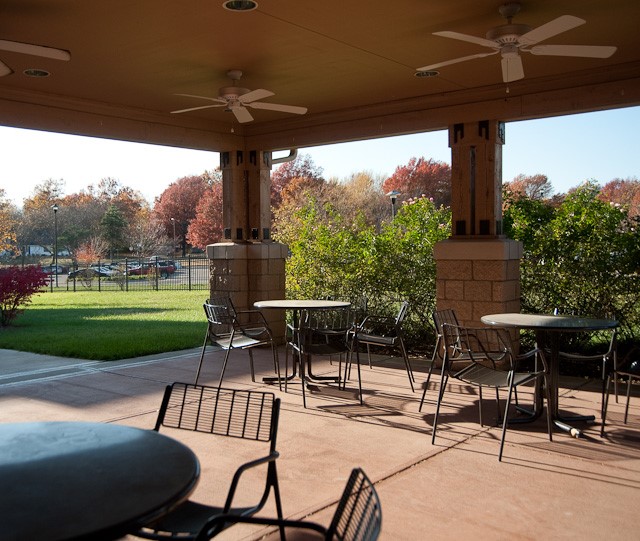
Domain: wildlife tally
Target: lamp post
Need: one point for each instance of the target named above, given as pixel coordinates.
(173, 249)
(55, 240)
(393, 195)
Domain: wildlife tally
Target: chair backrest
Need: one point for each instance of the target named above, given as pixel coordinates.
(402, 312)
(440, 317)
(236, 413)
(359, 514)
(484, 345)
(219, 310)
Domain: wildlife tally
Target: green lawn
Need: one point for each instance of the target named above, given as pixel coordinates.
(108, 325)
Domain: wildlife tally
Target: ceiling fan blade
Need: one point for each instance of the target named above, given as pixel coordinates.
(512, 69)
(34, 50)
(254, 95)
(4, 69)
(466, 37)
(218, 100)
(242, 114)
(587, 51)
(550, 29)
(455, 61)
(277, 107)
(196, 108)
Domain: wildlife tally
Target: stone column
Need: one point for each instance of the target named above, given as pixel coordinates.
(477, 269)
(248, 264)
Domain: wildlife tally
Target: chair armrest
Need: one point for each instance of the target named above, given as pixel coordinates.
(539, 352)
(271, 457)
(216, 524)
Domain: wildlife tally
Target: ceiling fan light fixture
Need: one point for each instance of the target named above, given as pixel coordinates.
(240, 5)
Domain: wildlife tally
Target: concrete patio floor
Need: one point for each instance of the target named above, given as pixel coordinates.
(585, 488)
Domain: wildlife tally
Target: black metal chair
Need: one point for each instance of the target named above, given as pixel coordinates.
(480, 347)
(607, 359)
(358, 516)
(230, 329)
(629, 369)
(386, 332)
(322, 333)
(440, 317)
(248, 415)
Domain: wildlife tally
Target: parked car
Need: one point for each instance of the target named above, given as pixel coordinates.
(90, 272)
(53, 269)
(164, 269)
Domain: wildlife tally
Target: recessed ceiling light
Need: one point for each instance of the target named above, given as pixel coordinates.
(240, 5)
(34, 72)
(428, 73)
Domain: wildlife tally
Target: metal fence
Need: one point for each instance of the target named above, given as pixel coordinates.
(184, 273)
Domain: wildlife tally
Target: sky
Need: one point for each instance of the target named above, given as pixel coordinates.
(568, 150)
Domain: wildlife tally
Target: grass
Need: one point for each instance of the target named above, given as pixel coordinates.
(108, 325)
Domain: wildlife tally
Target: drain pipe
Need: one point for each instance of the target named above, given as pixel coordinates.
(293, 154)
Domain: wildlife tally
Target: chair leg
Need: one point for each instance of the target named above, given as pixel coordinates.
(547, 390)
(369, 355)
(204, 347)
(405, 357)
(253, 374)
(224, 367)
(626, 408)
(359, 378)
(276, 363)
(443, 384)
(605, 404)
(426, 385)
(480, 404)
(505, 419)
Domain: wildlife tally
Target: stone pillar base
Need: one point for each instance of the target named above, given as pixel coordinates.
(250, 272)
(478, 277)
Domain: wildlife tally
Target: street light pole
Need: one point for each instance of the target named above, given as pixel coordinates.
(173, 250)
(55, 240)
(393, 195)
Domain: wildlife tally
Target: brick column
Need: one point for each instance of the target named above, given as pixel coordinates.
(477, 269)
(248, 265)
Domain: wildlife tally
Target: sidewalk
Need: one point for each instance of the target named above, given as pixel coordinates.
(456, 489)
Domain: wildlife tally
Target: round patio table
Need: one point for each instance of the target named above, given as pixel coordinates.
(547, 328)
(88, 481)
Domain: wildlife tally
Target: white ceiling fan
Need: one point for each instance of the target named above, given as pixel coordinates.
(236, 100)
(30, 49)
(511, 39)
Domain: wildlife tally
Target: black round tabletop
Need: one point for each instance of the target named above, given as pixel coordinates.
(76, 480)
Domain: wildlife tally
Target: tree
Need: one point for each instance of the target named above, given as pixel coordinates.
(146, 235)
(534, 186)
(8, 223)
(623, 192)
(302, 167)
(17, 286)
(179, 201)
(36, 224)
(422, 177)
(206, 228)
(113, 226)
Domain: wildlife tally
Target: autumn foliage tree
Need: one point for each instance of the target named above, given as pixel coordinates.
(206, 227)
(179, 201)
(8, 224)
(535, 187)
(625, 193)
(17, 286)
(302, 167)
(422, 177)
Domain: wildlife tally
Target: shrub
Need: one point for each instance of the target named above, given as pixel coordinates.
(17, 286)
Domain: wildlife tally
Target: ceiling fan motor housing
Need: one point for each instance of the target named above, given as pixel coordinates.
(507, 33)
(232, 92)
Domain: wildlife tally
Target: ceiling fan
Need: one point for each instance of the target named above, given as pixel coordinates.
(33, 50)
(511, 39)
(236, 100)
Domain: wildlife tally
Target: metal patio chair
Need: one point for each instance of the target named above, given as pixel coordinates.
(247, 415)
(480, 347)
(230, 329)
(358, 516)
(629, 369)
(322, 333)
(386, 332)
(440, 317)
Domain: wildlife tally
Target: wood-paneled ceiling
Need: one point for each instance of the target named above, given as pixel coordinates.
(351, 63)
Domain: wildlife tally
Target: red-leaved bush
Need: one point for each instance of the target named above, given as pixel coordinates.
(17, 286)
